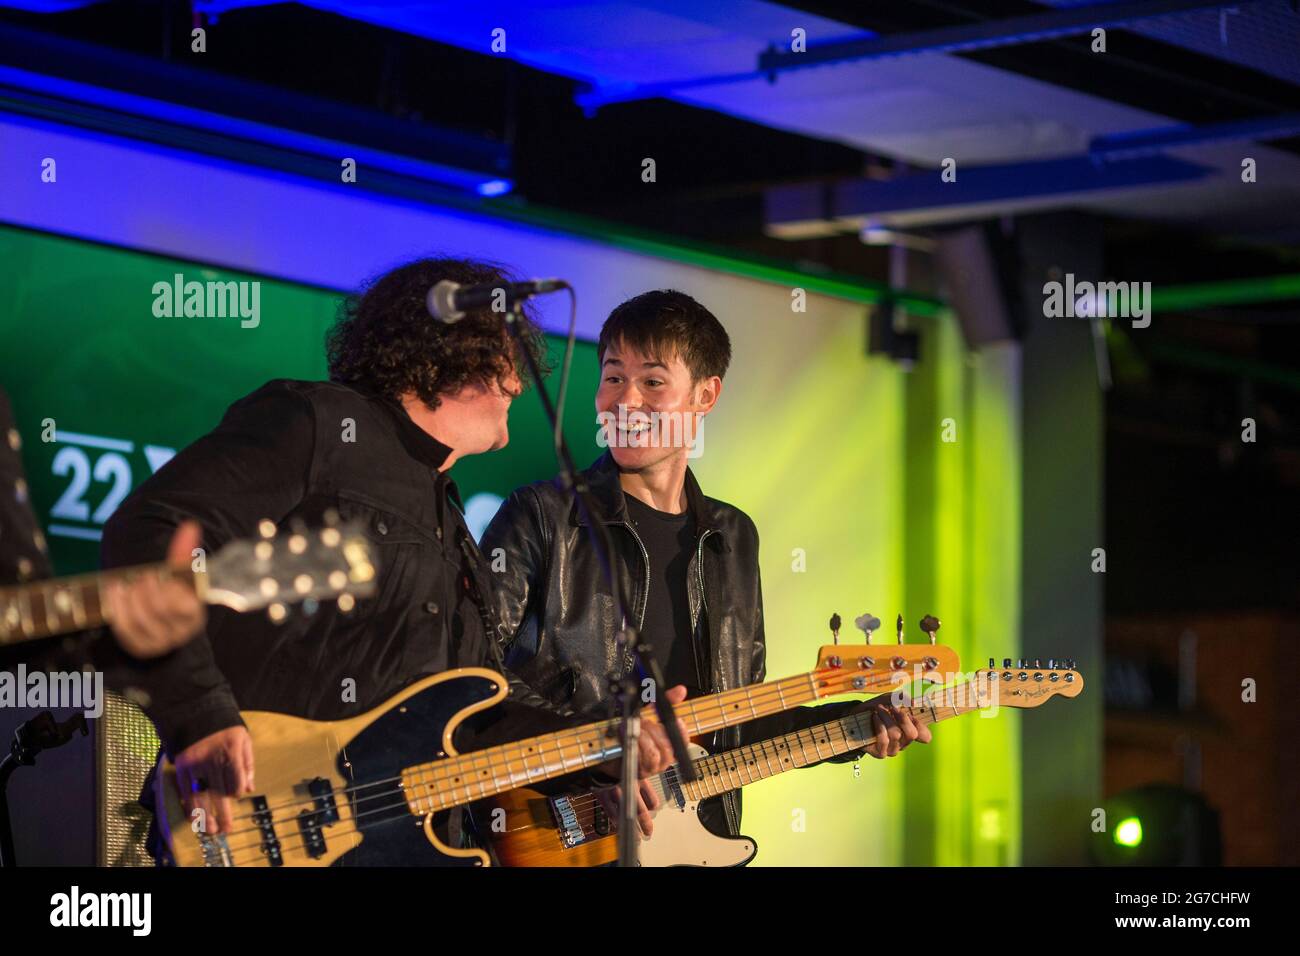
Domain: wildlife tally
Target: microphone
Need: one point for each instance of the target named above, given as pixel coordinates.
(449, 301)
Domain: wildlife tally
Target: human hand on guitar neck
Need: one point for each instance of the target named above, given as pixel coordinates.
(893, 725)
(894, 730)
(152, 616)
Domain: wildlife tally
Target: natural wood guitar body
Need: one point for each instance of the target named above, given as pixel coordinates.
(328, 792)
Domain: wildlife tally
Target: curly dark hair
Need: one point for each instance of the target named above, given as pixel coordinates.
(385, 340)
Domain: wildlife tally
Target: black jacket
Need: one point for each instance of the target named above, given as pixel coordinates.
(557, 614)
(290, 451)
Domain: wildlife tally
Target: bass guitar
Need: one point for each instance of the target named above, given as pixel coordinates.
(376, 789)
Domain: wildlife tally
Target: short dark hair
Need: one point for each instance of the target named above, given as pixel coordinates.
(664, 323)
(386, 341)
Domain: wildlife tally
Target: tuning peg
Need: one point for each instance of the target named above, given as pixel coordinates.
(1038, 663)
(1020, 663)
(277, 612)
(266, 528)
(331, 517)
(930, 625)
(867, 623)
(835, 628)
(1051, 663)
(899, 626)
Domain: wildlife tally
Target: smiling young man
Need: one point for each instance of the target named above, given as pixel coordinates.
(688, 562)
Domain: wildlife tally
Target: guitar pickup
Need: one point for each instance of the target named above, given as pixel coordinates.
(674, 787)
(262, 820)
(312, 837)
(311, 822)
(323, 796)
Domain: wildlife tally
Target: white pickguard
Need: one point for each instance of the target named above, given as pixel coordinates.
(680, 838)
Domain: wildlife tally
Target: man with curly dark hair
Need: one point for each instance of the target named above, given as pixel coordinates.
(407, 397)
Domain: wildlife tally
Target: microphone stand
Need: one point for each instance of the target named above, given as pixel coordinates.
(624, 688)
(31, 737)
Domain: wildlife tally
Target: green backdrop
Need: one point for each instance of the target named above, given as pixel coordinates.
(82, 348)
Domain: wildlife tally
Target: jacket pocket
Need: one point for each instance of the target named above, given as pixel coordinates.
(395, 545)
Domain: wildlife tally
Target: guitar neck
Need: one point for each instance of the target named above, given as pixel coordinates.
(442, 784)
(29, 612)
(734, 769)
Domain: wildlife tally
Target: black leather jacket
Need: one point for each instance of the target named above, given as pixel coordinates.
(557, 615)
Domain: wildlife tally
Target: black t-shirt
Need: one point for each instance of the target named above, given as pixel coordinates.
(669, 540)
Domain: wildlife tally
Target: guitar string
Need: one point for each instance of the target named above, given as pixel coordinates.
(585, 805)
(445, 768)
(257, 849)
(474, 765)
(404, 805)
(837, 735)
(704, 765)
(438, 772)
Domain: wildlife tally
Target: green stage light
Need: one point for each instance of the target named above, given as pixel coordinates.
(1129, 832)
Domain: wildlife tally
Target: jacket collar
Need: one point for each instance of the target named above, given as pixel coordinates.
(611, 504)
(418, 443)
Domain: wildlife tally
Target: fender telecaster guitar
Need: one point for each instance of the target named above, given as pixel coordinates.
(576, 831)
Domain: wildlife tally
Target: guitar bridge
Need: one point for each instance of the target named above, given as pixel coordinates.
(216, 851)
(566, 818)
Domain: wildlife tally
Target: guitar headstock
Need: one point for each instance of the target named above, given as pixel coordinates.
(1029, 686)
(858, 668)
(287, 567)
